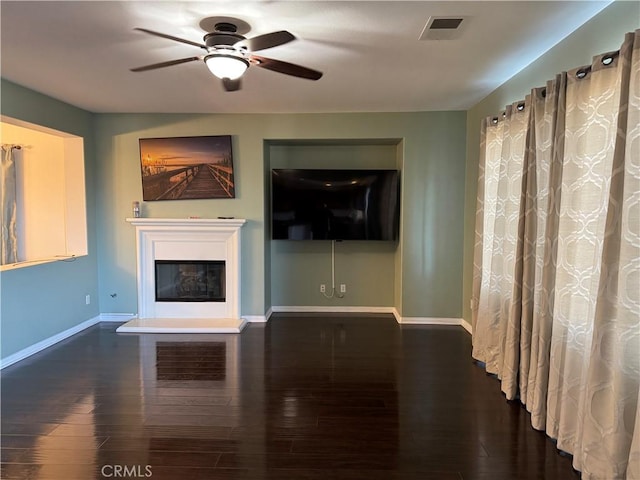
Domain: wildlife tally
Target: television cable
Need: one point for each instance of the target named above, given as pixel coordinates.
(334, 293)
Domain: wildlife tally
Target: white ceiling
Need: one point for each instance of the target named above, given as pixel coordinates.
(81, 52)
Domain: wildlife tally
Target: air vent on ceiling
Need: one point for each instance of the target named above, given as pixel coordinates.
(444, 28)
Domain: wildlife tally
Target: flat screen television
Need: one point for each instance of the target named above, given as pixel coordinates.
(311, 204)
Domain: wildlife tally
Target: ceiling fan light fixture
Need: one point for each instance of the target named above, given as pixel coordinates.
(226, 66)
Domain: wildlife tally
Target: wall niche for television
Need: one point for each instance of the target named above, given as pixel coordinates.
(295, 269)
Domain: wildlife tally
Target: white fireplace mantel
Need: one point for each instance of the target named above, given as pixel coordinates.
(186, 239)
(190, 223)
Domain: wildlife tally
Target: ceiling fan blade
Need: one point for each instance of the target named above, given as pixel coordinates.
(268, 40)
(231, 85)
(286, 68)
(165, 64)
(171, 37)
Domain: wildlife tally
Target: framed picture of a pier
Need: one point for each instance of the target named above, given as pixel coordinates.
(184, 168)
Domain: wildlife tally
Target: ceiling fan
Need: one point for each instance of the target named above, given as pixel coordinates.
(228, 54)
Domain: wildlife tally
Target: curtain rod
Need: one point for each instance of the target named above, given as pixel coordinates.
(17, 146)
(607, 59)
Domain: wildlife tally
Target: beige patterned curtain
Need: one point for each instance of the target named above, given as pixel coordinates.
(557, 260)
(544, 166)
(505, 140)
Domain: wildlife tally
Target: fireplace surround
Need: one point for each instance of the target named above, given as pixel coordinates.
(198, 264)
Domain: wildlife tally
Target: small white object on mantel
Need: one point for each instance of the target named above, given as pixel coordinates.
(206, 239)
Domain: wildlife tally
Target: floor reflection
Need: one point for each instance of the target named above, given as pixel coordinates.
(189, 380)
(189, 361)
(197, 361)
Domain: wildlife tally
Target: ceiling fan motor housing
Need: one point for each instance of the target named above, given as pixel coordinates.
(224, 34)
(217, 39)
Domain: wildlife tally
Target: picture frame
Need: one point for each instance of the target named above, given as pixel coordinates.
(187, 168)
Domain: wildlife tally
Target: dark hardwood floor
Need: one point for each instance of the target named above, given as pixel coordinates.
(302, 398)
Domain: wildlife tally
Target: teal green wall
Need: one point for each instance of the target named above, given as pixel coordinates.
(432, 227)
(41, 301)
(603, 33)
(432, 198)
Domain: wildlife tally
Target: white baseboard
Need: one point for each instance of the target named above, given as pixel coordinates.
(255, 318)
(48, 342)
(259, 318)
(116, 317)
(429, 321)
(435, 321)
(467, 326)
(331, 309)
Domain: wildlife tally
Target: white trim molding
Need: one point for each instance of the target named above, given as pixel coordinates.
(467, 326)
(331, 309)
(116, 317)
(255, 318)
(48, 342)
(430, 321)
(460, 322)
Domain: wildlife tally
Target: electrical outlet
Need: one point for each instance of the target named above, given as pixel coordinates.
(323, 288)
(343, 288)
(87, 299)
